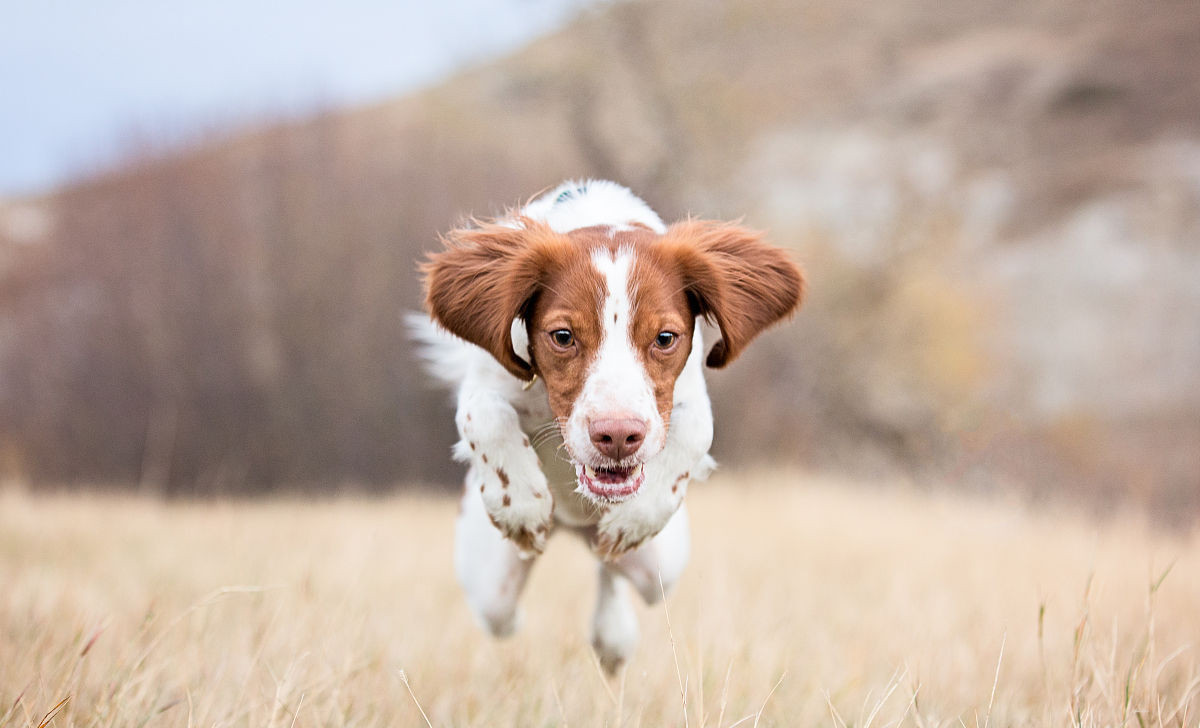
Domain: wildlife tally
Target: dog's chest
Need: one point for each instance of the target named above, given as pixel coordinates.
(570, 508)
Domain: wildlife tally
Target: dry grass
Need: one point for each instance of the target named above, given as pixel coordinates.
(807, 603)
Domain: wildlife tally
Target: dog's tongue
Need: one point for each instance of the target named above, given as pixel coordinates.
(613, 476)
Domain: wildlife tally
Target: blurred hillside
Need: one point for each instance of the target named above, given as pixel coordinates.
(998, 205)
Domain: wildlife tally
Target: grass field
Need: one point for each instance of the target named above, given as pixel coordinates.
(808, 602)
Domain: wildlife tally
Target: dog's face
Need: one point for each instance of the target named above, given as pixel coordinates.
(609, 333)
(610, 314)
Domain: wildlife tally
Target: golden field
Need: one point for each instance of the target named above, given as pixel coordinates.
(809, 601)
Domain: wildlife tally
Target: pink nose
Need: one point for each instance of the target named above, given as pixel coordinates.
(617, 438)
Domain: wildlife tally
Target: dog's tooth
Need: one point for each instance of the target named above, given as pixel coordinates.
(591, 472)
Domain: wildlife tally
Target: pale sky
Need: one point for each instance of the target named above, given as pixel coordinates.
(79, 78)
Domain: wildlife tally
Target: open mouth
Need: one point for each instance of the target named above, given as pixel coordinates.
(612, 484)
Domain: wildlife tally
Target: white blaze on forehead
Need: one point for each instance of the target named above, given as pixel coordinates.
(618, 306)
(616, 384)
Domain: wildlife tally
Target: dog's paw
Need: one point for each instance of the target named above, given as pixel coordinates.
(610, 545)
(628, 525)
(523, 515)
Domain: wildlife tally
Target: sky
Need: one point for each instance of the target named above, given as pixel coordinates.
(81, 79)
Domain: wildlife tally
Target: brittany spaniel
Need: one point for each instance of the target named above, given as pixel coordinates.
(576, 357)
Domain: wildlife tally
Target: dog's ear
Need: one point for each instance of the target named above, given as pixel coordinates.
(735, 280)
(486, 276)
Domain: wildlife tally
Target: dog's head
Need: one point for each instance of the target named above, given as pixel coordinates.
(610, 313)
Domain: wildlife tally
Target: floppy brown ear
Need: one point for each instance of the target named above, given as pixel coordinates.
(486, 277)
(735, 280)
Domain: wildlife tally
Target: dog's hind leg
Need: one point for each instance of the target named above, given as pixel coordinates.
(652, 570)
(489, 567)
(615, 624)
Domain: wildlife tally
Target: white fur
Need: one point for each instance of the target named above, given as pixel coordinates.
(489, 567)
(643, 539)
(574, 205)
(616, 385)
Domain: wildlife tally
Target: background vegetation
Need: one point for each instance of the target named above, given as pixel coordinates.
(998, 205)
(892, 607)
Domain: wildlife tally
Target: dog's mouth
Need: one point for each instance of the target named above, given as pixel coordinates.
(610, 483)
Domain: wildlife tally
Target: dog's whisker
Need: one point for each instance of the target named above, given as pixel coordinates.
(543, 441)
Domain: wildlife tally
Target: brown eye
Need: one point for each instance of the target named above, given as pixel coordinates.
(665, 339)
(562, 338)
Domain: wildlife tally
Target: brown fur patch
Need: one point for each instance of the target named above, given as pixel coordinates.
(660, 305)
(678, 482)
(570, 299)
(503, 477)
(734, 279)
(487, 276)
(507, 501)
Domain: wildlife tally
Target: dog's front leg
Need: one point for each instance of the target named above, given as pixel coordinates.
(512, 485)
(627, 525)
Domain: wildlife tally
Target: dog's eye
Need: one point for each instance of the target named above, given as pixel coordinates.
(665, 339)
(562, 338)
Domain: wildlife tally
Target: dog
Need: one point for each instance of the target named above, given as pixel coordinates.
(570, 331)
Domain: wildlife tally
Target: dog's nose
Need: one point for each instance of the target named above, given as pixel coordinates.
(617, 438)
